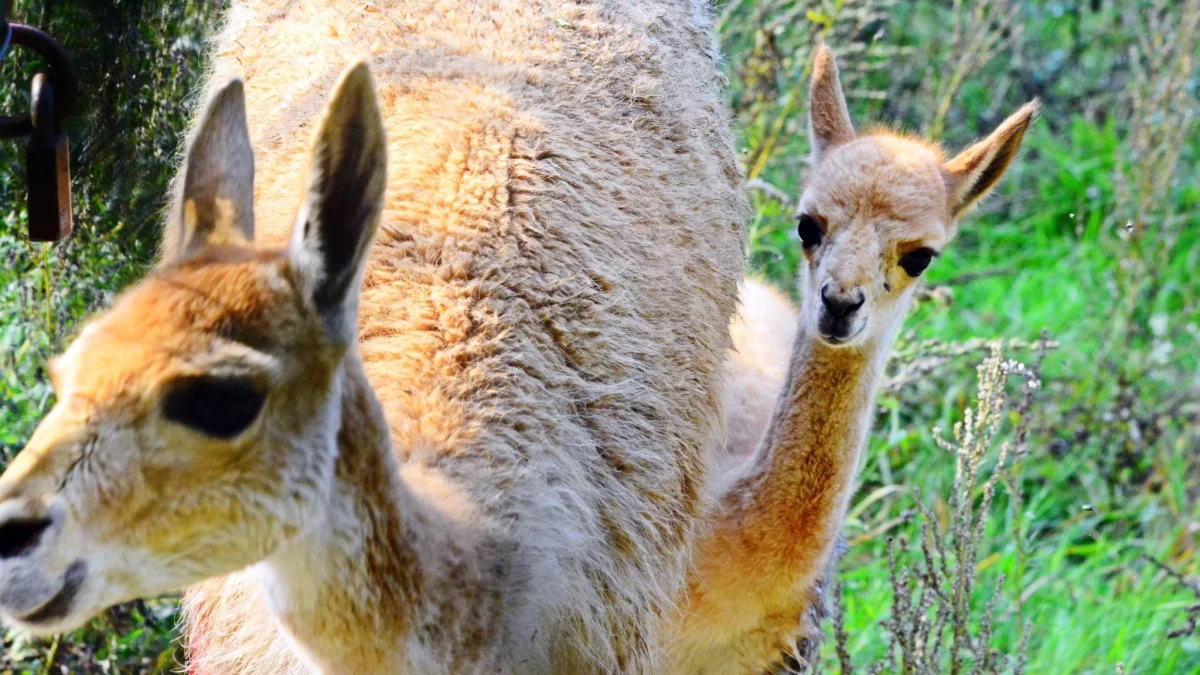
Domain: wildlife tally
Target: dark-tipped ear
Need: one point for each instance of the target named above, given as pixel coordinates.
(829, 122)
(215, 204)
(347, 174)
(976, 170)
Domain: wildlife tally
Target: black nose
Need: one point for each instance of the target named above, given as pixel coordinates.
(841, 304)
(18, 536)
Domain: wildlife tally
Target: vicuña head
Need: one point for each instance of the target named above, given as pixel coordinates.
(879, 207)
(192, 432)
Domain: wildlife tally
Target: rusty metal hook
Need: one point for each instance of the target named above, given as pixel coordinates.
(62, 70)
(47, 152)
(47, 168)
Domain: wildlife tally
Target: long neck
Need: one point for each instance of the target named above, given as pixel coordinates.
(816, 435)
(785, 514)
(780, 521)
(344, 589)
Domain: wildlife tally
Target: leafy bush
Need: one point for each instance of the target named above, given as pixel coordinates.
(139, 63)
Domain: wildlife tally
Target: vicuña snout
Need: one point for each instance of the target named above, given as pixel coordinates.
(840, 319)
(40, 583)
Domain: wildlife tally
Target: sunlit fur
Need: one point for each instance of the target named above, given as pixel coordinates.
(504, 473)
(757, 592)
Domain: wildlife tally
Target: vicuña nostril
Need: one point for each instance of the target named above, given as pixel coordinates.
(840, 305)
(19, 536)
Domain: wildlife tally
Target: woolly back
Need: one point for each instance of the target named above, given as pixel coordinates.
(544, 317)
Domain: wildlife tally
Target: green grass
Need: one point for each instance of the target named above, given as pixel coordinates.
(1112, 473)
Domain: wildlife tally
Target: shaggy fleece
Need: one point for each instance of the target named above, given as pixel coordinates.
(545, 316)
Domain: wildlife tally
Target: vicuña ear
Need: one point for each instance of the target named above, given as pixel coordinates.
(828, 117)
(976, 170)
(216, 203)
(347, 174)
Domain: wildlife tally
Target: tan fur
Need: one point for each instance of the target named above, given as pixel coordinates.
(504, 473)
(762, 330)
(219, 201)
(759, 573)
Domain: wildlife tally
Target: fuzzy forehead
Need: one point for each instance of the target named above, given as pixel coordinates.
(881, 178)
(182, 317)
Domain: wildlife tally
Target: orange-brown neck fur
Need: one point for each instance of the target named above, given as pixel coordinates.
(793, 493)
(813, 441)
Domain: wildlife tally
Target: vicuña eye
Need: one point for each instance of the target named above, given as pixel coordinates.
(809, 230)
(222, 407)
(915, 262)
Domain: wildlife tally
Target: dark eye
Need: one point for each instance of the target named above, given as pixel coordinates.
(222, 407)
(915, 262)
(809, 230)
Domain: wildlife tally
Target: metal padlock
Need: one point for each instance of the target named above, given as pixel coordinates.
(47, 169)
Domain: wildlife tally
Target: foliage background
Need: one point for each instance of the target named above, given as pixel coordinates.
(1088, 559)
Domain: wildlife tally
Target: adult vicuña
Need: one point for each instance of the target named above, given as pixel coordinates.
(877, 210)
(502, 471)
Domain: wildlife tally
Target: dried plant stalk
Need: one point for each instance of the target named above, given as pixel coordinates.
(1162, 110)
(980, 30)
(934, 625)
(776, 71)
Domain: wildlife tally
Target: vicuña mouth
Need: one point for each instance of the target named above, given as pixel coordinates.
(840, 339)
(59, 606)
